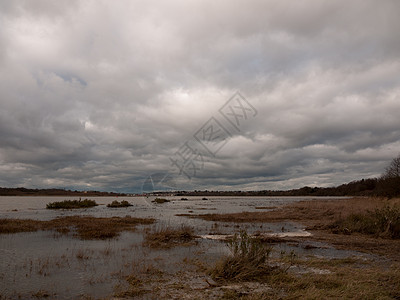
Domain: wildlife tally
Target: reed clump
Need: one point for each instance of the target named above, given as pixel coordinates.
(248, 260)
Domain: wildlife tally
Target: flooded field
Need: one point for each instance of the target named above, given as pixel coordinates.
(49, 263)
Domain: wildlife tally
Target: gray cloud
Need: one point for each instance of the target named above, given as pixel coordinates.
(98, 94)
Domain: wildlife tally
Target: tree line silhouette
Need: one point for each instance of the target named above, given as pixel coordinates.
(387, 185)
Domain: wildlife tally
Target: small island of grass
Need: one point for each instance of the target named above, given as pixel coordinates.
(116, 203)
(71, 204)
(160, 200)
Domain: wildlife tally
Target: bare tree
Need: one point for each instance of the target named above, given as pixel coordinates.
(389, 183)
(393, 170)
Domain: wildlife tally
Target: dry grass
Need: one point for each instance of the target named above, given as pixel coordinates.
(317, 213)
(19, 225)
(85, 227)
(344, 282)
(383, 222)
(167, 237)
(309, 210)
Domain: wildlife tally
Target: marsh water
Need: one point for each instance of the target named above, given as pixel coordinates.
(66, 267)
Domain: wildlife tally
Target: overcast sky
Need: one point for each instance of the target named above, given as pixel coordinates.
(102, 94)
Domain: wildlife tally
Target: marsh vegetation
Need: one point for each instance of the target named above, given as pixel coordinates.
(71, 204)
(168, 236)
(248, 260)
(382, 222)
(83, 227)
(171, 259)
(160, 200)
(116, 204)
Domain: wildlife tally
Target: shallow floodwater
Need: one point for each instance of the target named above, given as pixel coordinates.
(65, 267)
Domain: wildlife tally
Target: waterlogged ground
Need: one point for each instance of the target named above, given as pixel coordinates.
(46, 264)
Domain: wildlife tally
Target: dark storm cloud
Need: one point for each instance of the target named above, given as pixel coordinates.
(99, 94)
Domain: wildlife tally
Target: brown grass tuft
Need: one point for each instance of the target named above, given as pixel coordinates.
(167, 237)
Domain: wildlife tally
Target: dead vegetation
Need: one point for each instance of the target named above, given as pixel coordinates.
(167, 237)
(84, 227)
(341, 280)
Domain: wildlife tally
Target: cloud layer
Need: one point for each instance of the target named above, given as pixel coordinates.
(101, 94)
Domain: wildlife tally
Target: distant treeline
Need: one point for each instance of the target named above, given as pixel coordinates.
(387, 185)
(363, 187)
(20, 191)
